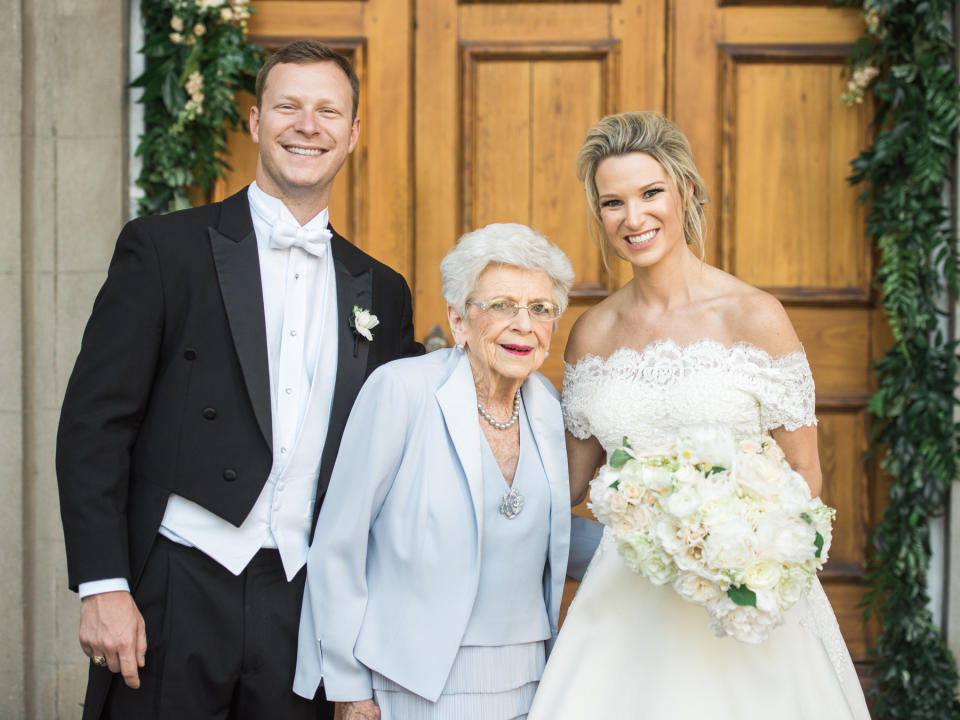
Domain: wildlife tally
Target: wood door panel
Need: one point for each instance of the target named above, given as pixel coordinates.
(843, 434)
(546, 21)
(838, 347)
(793, 221)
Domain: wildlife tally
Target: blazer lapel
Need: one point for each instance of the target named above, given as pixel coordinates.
(546, 422)
(234, 246)
(354, 280)
(457, 398)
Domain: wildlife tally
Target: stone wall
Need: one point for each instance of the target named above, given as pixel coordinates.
(62, 198)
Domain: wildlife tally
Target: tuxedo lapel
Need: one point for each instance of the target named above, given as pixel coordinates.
(354, 280)
(234, 246)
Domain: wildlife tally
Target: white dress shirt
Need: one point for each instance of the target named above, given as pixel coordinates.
(300, 313)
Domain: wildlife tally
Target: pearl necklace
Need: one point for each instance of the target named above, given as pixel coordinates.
(502, 425)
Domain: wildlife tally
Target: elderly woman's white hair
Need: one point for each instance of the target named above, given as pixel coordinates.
(502, 244)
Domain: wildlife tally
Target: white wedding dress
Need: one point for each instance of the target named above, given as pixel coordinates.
(632, 649)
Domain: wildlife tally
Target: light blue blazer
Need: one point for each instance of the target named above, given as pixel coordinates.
(394, 565)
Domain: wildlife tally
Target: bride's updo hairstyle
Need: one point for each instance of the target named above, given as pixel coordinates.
(654, 135)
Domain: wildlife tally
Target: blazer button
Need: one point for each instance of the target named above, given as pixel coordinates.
(190, 354)
(209, 413)
(229, 475)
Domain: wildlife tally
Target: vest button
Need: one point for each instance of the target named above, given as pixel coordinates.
(229, 475)
(190, 354)
(209, 413)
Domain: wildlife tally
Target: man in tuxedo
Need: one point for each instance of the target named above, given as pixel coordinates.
(204, 414)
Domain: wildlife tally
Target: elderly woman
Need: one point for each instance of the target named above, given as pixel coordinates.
(436, 572)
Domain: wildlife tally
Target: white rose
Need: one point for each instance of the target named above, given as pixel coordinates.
(666, 533)
(687, 475)
(790, 541)
(751, 447)
(657, 478)
(660, 568)
(633, 493)
(731, 546)
(763, 575)
(793, 583)
(632, 472)
(747, 624)
(695, 588)
(618, 503)
(684, 502)
(364, 322)
(636, 550)
(758, 474)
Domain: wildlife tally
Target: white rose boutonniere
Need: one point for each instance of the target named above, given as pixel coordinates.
(363, 321)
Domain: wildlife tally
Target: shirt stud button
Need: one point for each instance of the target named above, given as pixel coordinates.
(229, 475)
(209, 413)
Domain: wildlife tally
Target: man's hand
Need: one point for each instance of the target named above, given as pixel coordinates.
(360, 710)
(111, 626)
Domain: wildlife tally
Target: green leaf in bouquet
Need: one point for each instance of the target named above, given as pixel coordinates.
(626, 443)
(615, 484)
(619, 458)
(742, 595)
(818, 544)
(714, 470)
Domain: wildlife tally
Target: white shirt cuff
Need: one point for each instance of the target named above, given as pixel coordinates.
(102, 586)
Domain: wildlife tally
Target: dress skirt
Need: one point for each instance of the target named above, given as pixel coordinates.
(632, 649)
(485, 683)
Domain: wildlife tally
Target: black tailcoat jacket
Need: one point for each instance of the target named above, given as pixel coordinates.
(170, 392)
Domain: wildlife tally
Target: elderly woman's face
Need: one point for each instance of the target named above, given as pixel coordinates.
(513, 347)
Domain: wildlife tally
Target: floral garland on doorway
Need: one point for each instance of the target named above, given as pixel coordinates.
(905, 59)
(196, 60)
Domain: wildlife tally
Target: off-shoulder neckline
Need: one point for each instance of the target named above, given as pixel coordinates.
(682, 348)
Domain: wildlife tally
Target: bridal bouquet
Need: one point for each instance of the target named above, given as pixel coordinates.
(730, 526)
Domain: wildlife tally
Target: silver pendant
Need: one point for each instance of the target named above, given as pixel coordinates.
(512, 504)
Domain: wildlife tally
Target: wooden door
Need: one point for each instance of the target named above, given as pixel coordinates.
(472, 112)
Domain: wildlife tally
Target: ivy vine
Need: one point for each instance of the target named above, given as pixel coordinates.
(196, 60)
(905, 58)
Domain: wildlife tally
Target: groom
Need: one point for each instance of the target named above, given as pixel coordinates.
(204, 413)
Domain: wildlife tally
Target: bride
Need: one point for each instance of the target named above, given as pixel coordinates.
(683, 344)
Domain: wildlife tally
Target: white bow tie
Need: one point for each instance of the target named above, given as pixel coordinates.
(314, 241)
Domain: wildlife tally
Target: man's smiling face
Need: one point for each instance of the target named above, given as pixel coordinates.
(304, 128)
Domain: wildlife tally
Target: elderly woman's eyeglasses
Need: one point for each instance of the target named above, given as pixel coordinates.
(504, 309)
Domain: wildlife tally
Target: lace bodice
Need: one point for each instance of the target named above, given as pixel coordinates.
(652, 395)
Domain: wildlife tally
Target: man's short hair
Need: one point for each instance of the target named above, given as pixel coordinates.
(307, 52)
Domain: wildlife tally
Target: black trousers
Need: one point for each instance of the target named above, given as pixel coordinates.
(219, 646)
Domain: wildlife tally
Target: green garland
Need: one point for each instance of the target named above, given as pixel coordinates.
(196, 60)
(906, 58)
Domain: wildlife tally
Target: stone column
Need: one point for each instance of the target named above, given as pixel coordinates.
(12, 636)
(70, 198)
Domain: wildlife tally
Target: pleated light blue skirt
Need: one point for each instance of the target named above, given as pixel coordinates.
(485, 683)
